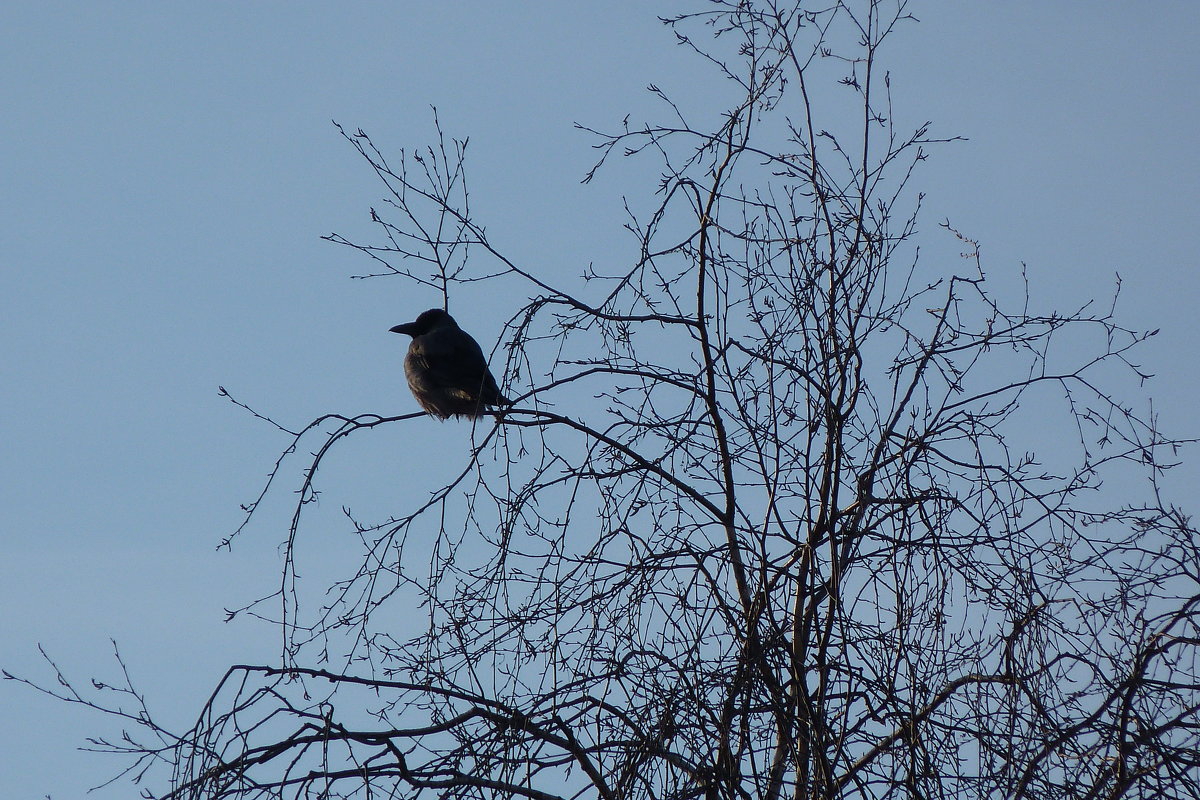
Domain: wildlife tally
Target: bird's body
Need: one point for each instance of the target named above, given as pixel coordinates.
(445, 367)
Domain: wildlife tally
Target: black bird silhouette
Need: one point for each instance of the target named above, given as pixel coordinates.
(445, 367)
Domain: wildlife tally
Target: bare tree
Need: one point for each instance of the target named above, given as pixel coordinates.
(780, 509)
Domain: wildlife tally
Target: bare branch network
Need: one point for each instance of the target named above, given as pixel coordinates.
(780, 509)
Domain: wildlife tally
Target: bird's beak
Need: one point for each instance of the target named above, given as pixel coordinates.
(405, 328)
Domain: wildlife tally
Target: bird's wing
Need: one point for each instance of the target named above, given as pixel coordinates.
(454, 361)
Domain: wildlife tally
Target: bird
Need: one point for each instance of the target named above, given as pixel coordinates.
(445, 368)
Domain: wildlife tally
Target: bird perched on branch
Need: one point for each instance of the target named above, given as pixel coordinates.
(445, 367)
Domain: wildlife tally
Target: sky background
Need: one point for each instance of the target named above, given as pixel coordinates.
(167, 169)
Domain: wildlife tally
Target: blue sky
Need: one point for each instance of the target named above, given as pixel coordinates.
(168, 169)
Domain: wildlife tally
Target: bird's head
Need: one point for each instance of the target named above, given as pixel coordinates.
(433, 318)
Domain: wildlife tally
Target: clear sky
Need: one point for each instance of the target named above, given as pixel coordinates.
(166, 170)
